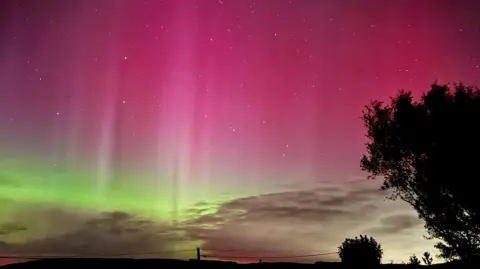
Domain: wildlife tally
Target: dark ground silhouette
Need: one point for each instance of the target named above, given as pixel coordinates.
(166, 263)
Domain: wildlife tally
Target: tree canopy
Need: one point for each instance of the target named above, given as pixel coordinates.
(427, 259)
(360, 251)
(414, 260)
(428, 154)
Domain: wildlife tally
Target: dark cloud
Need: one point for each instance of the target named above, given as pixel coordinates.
(315, 219)
(396, 224)
(111, 233)
(314, 205)
(11, 227)
(305, 221)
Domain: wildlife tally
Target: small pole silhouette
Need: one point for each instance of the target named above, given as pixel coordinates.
(198, 254)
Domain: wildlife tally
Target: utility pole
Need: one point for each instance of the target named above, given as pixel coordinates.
(198, 254)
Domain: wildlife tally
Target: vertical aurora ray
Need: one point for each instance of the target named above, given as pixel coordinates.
(177, 113)
(106, 148)
(109, 137)
(77, 99)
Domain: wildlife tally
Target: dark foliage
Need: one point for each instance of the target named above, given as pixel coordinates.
(414, 261)
(427, 259)
(428, 154)
(360, 251)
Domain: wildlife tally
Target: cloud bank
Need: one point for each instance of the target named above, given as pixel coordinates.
(290, 223)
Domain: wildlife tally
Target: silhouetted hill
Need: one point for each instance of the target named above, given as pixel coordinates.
(166, 263)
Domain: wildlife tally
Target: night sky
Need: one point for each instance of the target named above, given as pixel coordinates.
(138, 126)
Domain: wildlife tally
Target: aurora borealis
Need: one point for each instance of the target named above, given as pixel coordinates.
(133, 126)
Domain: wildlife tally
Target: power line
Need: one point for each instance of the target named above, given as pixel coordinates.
(266, 257)
(37, 257)
(93, 255)
(149, 253)
(255, 250)
(34, 257)
(106, 255)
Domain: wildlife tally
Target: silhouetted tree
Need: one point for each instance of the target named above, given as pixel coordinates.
(427, 259)
(414, 260)
(360, 251)
(428, 154)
